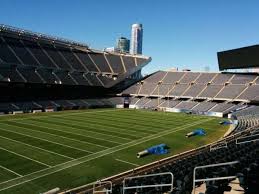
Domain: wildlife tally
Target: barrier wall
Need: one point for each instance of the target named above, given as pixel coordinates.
(119, 106)
(213, 114)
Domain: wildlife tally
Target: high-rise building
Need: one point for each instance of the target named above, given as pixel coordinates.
(136, 39)
(123, 44)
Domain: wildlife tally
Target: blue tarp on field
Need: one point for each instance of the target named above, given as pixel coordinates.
(158, 149)
(199, 132)
(225, 123)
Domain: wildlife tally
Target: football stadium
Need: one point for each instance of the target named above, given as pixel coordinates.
(78, 120)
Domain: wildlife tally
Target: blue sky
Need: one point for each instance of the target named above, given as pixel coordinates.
(177, 33)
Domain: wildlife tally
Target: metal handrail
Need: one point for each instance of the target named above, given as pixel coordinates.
(248, 141)
(171, 184)
(107, 191)
(214, 178)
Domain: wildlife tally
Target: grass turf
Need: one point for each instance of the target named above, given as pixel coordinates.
(68, 149)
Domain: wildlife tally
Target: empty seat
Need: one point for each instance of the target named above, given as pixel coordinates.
(100, 61)
(115, 62)
(129, 62)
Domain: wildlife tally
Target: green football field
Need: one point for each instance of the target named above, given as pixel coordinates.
(67, 149)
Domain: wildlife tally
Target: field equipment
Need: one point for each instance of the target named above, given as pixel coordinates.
(157, 150)
(199, 132)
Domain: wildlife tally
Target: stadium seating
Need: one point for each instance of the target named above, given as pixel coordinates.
(86, 61)
(178, 90)
(194, 90)
(250, 93)
(43, 59)
(188, 105)
(80, 78)
(147, 88)
(213, 96)
(222, 107)
(21, 53)
(6, 107)
(210, 91)
(116, 63)
(173, 77)
(10, 74)
(162, 90)
(128, 62)
(243, 79)
(205, 78)
(64, 103)
(156, 77)
(231, 91)
(204, 106)
(7, 55)
(30, 75)
(225, 91)
(141, 103)
(189, 77)
(117, 100)
(72, 59)
(222, 78)
(105, 79)
(29, 53)
(99, 59)
(133, 101)
(169, 103)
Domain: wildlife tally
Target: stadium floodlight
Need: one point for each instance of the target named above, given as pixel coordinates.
(247, 139)
(101, 187)
(170, 184)
(214, 178)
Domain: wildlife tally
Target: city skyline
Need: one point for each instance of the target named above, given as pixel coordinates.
(123, 44)
(179, 34)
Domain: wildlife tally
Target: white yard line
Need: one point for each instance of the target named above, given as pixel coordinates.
(36, 147)
(61, 135)
(7, 169)
(94, 132)
(25, 157)
(80, 122)
(127, 162)
(56, 114)
(64, 123)
(44, 139)
(120, 128)
(73, 128)
(99, 154)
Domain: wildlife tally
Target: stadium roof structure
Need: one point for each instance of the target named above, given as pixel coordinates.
(23, 32)
(240, 58)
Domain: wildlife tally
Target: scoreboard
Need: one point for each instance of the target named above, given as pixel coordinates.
(246, 57)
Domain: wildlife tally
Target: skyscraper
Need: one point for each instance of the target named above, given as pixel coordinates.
(136, 39)
(123, 44)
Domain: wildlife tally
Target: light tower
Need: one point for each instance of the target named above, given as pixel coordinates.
(136, 39)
